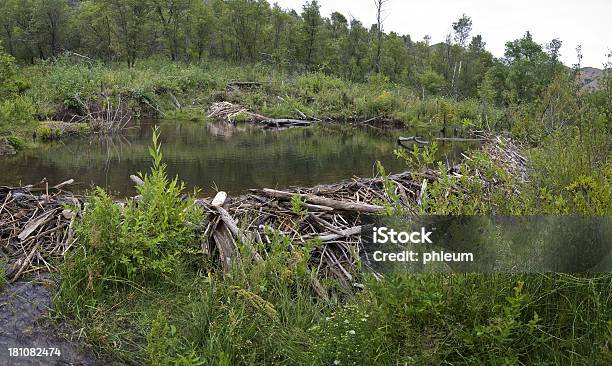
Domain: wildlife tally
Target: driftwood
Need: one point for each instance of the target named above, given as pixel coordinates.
(230, 112)
(416, 139)
(326, 202)
(35, 228)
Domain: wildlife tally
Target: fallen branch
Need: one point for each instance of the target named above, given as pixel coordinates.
(317, 200)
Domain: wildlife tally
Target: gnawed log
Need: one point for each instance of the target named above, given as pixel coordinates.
(219, 199)
(341, 234)
(226, 246)
(318, 200)
(136, 179)
(412, 139)
(230, 223)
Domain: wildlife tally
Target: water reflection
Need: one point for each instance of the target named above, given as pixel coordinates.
(209, 155)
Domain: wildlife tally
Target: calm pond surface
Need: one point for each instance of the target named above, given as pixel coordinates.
(214, 155)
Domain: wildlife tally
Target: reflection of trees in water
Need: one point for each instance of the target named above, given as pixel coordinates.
(236, 158)
(112, 144)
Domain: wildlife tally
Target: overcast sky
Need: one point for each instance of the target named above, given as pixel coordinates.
(588, 22)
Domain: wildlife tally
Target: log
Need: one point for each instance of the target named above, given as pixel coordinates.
(219, 199)
(33, 225)
(459, 139)
(412, 139)
(341, 234)
(231, 225)
(317, 200)
(136, 179)
(175, 101)
(285, 122)
(226, 246)
(63, 184)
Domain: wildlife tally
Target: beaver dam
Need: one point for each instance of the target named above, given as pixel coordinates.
(36, 227)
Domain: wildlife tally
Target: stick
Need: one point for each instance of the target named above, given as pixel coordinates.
(338, 205)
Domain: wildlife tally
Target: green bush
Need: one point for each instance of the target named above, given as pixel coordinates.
(8, 73)
(318, 82)
(16, 115)
(148, 239)
(383, 104)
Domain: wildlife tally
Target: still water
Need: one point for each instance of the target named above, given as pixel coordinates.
(212, 155)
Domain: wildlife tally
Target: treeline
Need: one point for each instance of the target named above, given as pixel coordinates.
(254, 31)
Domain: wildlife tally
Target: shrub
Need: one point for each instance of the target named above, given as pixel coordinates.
(149, 238)
(383, 104)
(318, 82)
(431, 81)
(16, 114)
(8, 72)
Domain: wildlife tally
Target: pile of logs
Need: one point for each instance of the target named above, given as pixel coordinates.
(35, 226)
(330, 216)
(507, 153)
(230, 113)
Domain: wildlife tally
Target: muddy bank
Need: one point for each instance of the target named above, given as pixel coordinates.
(24, 306)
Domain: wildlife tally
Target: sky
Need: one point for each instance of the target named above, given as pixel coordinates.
(585, 22)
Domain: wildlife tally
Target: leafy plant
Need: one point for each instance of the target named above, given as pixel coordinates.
(297, 205)
(148, 238)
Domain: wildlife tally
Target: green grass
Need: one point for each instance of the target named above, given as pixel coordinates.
(3, 279)
(61, 85)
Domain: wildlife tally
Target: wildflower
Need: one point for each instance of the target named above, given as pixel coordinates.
(351, 332)
(363, 319)
(336, 362)
(346, 321)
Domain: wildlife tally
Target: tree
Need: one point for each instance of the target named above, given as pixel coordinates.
(379, 4)
(130, 18)
(9, 11)
(172, 15)
(202, 26)
(51, 17)
(7, 74)
(529, 69)
(96, 29)
(311, 16)
(462, 29)
(357, 48)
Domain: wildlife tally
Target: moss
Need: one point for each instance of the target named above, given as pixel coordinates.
(187, 114)
(54, 130)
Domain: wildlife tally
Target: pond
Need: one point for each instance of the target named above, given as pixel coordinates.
(209, 155)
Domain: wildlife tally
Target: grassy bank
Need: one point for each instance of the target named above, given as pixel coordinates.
(67, 91)
(159, 85)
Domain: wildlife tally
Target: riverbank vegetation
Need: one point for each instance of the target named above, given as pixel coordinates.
(296, 66)
(136, 283)
(281, 309)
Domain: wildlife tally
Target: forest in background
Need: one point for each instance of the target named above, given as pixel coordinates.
(243, 31)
